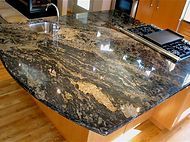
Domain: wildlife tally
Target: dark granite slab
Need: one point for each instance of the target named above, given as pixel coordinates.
(91, 73)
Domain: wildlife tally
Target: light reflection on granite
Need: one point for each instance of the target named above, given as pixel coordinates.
(91, 73)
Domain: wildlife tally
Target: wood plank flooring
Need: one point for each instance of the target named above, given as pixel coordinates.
(20, 118)
(22, 121)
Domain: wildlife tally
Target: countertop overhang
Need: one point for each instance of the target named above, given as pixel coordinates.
(91, 73)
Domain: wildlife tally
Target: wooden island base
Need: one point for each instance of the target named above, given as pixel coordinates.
(168, 113)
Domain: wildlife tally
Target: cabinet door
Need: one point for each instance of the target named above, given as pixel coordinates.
(145, 10)
(172, 111)
(185, 109)
(184, 29)
(167, 13)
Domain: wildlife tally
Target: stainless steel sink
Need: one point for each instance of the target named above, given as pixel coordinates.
(44, 27)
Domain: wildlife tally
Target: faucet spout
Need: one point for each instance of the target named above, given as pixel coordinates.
(57, 10)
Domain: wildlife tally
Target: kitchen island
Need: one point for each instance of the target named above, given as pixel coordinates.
(90, 72)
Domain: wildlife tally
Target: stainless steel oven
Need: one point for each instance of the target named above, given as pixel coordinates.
(128, 6)
(33, 8)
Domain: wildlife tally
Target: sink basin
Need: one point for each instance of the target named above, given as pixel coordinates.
(44, 27)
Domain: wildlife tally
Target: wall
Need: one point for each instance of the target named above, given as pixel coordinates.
(106, 4)
(96, 5)
(62, 5)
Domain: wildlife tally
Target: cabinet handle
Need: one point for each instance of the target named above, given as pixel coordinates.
(151, 3)
(158, 4)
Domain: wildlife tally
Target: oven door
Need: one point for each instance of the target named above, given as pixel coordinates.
(41, 3)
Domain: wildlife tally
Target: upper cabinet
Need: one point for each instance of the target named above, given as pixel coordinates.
(145, 10)
(162, 13)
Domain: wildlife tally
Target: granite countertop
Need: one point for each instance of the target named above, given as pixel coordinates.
(91, 73)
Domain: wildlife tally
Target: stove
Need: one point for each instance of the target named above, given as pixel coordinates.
(144, 30)
(179, 48)
(176, 50)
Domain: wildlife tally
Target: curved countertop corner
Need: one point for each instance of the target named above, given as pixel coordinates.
(91, 73)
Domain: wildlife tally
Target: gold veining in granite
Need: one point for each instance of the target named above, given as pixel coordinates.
(91, 89)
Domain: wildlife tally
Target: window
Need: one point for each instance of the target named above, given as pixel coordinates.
(84, 4)
(187, 13)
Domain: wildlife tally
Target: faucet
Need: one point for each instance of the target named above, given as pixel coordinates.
(51, 4)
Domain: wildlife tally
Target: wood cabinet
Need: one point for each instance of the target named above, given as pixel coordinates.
(72, 132)
(145, 10)
(173, 111)
(184, 29)
(162, 13)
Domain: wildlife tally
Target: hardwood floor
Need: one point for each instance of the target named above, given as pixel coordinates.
(22, 121)
(20, 118)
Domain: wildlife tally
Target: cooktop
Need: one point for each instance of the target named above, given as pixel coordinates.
(163, 37)
(167, 42)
